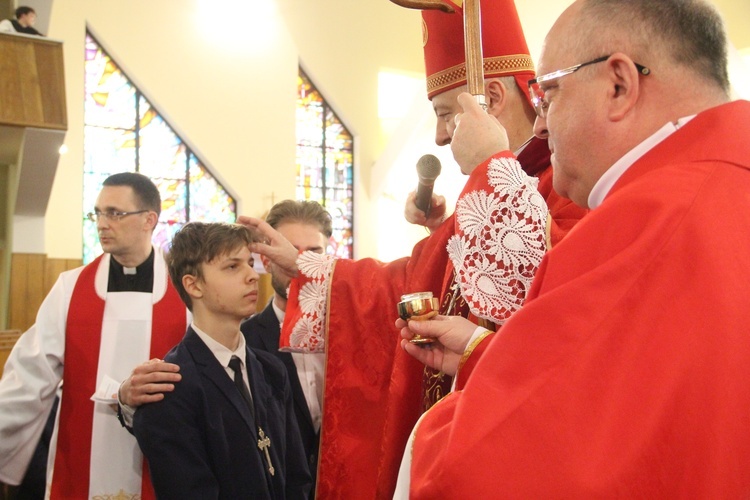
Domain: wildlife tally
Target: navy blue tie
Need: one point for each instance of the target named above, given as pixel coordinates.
(263, 441)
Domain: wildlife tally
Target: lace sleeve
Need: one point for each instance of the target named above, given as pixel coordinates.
(500, 240)
(308, 331)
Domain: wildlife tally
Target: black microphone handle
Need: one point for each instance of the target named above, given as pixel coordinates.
(423, 199)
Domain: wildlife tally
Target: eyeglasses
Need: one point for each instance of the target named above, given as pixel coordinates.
(112, 215)
(537, 92)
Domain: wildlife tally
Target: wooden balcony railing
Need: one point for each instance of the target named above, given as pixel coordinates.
(32, 87)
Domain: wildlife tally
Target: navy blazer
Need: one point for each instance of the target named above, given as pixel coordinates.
(262, 332)
(201, 441)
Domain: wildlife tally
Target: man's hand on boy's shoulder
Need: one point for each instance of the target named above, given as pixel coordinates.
(148, 383)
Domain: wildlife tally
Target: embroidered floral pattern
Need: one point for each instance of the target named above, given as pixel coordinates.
(308, 333)
(500, 241)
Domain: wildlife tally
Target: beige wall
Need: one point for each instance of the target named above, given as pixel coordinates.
(736, 14)
(342, 45)
(235, 105)
(234, 100)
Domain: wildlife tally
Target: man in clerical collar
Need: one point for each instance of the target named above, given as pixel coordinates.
(103, 319)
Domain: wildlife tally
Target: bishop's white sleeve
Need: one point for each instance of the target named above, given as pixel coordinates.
(30, 379)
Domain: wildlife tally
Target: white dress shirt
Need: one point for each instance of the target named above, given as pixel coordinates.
(311, 374)
(223, 354)
(611, 176)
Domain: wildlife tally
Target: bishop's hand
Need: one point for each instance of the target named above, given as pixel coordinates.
(275, 247)
(451, 334)
(477, 136)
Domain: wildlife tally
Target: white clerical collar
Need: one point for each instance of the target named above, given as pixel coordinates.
(222, 353)
(611, 176)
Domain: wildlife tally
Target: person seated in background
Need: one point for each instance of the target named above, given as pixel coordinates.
(23, 23)
(228, 429)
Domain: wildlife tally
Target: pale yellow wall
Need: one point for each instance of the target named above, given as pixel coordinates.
(343, 44)
(236, 106)
(537, 16)
(736, 14)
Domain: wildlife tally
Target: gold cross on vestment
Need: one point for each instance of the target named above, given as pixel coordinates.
(264, 442)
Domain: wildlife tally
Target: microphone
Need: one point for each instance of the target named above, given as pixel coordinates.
(428, 168)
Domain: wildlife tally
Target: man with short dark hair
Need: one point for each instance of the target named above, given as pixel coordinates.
(626, 372)
(23, 23)
(95, 324)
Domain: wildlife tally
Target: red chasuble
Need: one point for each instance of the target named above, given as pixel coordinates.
(82, 342)
(373, 390)
(625, 375)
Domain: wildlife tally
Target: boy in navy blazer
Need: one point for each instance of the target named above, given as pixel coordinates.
(207, 439)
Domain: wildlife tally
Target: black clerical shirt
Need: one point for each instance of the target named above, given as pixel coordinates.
(131, 279)
(24, 29)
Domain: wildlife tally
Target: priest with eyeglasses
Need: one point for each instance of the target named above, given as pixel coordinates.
(96, 323)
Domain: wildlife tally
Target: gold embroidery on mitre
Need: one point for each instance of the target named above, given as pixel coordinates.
(425, 33)
(495, 66)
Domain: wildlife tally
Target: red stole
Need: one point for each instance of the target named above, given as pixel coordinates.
(82, 342)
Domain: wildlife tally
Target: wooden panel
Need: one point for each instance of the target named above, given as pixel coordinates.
(8, 339)
(31, 278)
(31, 96)
(11, 106)
(18, 271)
(26, 288)
(49, 64)
(32, 90)
(265, 291)
(53, 268)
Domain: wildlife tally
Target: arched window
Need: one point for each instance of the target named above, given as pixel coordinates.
(325, 163)
(123, 132)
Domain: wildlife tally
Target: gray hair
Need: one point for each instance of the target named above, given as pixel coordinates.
(690, 33)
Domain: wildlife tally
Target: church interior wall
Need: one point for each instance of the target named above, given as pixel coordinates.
(223, 73)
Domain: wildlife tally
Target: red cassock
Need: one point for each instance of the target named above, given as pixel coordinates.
(627, 372)
(373, 390)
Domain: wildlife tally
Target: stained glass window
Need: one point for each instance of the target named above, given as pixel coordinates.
(325, 163)
(123, 132)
